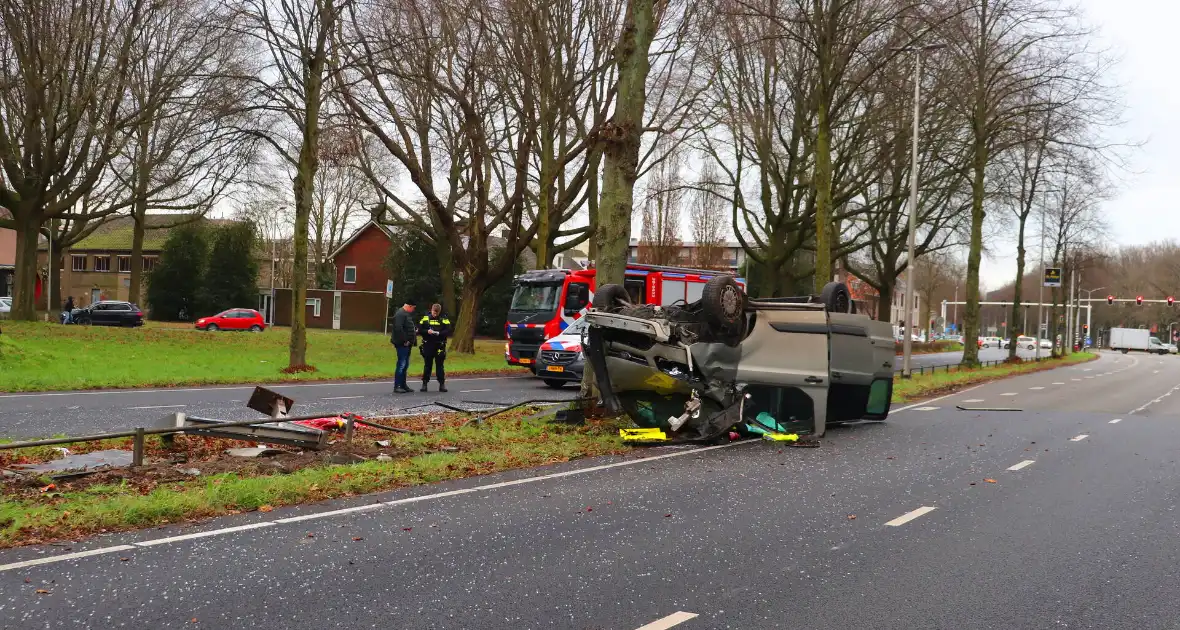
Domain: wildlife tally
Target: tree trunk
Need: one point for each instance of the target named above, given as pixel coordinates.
(885, 301)
(55, 299)
(28, 223)
(137, 252)
(622, 136)
(463, 340)
(974, 255)
(823, 198)
(544, 205)
(446, 268)
(1018, 291)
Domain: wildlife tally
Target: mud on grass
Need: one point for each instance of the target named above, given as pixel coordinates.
(161, 493)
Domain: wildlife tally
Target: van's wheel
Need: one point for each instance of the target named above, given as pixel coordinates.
(723, 302)
(609, 297)
(1124, 351)
(836, 298)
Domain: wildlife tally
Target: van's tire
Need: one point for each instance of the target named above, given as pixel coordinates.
(723, 302)
(1124, 351)
(609, 297)
(836, 298)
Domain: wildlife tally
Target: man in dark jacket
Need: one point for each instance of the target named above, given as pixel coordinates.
(435, 328)
(403, 339)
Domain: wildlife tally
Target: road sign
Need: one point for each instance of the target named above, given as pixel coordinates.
(1053, 276)
(389, 288)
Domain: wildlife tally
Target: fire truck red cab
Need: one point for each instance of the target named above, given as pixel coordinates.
(546, 301)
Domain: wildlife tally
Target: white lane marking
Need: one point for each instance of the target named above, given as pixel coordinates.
(1059, 383)
(927, 402)
(926, 408)
(1024, 464)
(675, 619)
(157, 407)
(909, 516)
(1079, 438)
(1087, 369)
(1152, 402)
(1036, 388)
(1115, 421)
(1155, 371)
(341, 397)
(1089, 377)
(212, 532)
(473, 391)
(62, 558)
(1076, 379)
(1009, 394)
(973, 400)
(119, 392)
(351, 510)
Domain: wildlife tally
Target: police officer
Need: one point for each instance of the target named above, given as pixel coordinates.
(434, 330)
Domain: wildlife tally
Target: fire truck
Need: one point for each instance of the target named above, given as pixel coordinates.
(547, 301)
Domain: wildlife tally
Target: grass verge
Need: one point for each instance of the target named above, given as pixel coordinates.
(37, 356)
(928, 385)
(33, 513)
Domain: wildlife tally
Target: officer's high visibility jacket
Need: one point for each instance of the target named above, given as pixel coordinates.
(440, 324)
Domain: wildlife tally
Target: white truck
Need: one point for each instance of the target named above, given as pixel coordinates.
(1127, 339)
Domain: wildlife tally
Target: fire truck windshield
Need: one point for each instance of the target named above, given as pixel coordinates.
(530, 297)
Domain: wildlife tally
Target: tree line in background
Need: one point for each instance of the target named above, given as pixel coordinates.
(204, 268)
(484, 129)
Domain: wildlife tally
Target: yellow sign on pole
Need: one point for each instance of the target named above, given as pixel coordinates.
(1053, 276)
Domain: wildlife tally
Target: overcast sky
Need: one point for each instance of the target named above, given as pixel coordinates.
(1142, 34)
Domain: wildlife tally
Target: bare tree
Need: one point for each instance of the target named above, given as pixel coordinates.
(341, 198)
(1008, 53)
(659, 240)
(64, 71)
(709, 217)
(445, 90)
(289, 90)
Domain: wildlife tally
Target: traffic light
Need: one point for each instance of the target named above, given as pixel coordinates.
(1171, 300)
(1139, 300)
(1110, 299)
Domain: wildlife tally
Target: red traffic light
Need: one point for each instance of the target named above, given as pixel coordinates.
(1110, 299)
(1139, 300)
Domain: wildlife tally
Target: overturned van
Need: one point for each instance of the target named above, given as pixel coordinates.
(698, 370)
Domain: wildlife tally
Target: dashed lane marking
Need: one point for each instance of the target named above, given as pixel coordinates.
(926, 408)
(1009, 394)
(909, 516)
(1079, 438)
(157, 407)
(1024, 464)
(1036, 388)
(1059, 383)
(973, 400)
(1115, 421)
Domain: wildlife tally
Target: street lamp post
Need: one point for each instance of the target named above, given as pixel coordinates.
(1090, 308)
(907, 343)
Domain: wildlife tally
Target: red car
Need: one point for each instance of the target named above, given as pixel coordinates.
(233, 319)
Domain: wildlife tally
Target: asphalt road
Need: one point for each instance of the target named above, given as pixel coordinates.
(891, 525)
(81, 413)
(86, 412)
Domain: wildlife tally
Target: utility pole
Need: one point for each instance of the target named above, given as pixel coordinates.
(907, 343)
(1041, 286)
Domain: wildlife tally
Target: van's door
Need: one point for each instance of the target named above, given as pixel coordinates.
(884, 355)
(789, 350)
(852, 366)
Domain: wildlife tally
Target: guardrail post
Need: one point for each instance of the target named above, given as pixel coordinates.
(348, 428)
(137, 450)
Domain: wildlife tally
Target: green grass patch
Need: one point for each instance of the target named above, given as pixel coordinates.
(38, 356)
(29, 515)
(921, 386)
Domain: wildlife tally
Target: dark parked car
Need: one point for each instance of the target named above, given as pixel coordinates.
(233, 319)
(109, 313)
